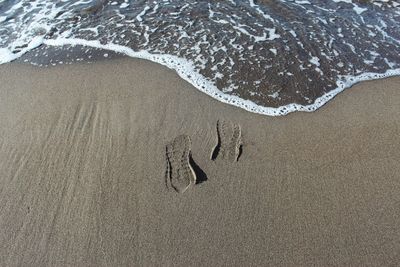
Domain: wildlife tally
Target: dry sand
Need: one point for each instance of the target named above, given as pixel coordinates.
(82, 174)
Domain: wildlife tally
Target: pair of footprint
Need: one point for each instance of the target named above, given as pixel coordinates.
(181, 173)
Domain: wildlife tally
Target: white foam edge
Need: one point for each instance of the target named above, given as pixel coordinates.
(7, 56)
(186, 70)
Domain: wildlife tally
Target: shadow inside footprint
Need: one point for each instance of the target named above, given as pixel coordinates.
(240, 152)
(216, 150)
(200, 174)
(217, 147)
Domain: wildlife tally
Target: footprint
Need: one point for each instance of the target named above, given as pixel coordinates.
(180, 174)
(229, 141)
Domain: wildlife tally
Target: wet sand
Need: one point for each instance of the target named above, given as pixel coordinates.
(83, 174)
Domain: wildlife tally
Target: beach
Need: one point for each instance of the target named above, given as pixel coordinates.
(83, 170)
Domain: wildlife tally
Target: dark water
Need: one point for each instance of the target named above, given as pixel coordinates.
(281, 55)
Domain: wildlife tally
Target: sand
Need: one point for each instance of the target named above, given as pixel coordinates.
(83, 174)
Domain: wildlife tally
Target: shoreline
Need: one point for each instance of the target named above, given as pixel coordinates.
(82, 169)
(186, 71)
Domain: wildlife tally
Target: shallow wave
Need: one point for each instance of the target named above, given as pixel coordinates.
(271, 57)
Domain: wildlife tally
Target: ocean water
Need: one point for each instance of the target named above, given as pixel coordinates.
(269, 56)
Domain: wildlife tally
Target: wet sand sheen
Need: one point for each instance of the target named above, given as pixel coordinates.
(82, 174)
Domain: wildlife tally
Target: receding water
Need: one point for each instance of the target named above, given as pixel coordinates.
(270, 57)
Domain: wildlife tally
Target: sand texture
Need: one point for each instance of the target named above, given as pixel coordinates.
(84, 154)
